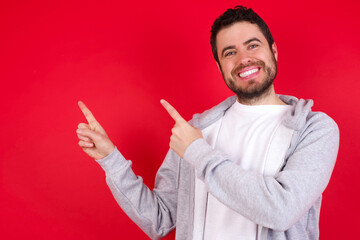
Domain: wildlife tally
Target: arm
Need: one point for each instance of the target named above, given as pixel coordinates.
(153, 211)
(274, 202)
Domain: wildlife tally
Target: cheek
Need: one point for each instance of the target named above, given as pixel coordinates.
(268, 58)
(227, 67)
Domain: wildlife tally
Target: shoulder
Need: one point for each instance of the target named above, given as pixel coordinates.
(301, 115)
(206, 118)
(320, 123)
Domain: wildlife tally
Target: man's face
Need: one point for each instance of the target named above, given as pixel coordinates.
(247, 64)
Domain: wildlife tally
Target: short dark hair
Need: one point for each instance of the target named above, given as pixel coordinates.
(233, 15)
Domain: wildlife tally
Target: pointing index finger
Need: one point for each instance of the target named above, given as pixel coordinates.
(172, 112)
(88, 115)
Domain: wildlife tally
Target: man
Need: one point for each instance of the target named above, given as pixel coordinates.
(252, 167)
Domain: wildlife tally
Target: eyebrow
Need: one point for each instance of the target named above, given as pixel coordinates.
(250, 40)
(245, 43)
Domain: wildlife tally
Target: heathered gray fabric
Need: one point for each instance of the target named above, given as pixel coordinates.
(288, 204)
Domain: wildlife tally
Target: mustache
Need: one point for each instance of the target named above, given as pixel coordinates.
(242, 66)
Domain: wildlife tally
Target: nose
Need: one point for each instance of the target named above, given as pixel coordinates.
(243, 58)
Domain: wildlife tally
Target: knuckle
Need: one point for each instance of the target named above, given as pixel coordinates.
(100, 138)
(176, 132)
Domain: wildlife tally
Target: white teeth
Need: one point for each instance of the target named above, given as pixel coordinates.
(247, 73)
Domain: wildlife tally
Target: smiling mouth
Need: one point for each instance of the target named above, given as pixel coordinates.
(249, 72)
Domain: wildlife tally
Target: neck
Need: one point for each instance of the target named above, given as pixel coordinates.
(267, 98)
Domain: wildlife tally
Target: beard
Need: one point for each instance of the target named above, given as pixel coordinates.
(254, 90)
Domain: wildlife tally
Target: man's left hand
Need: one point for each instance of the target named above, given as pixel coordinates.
(183, 134)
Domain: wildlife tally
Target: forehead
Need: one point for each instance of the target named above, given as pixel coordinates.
(238, 33)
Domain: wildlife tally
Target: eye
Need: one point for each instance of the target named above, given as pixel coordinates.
(252, 46)
(230, 53)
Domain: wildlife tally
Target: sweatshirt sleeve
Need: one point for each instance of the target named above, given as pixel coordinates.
(276, 202)
(153, 211)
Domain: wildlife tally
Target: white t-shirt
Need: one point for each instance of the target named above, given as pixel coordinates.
(245, 133)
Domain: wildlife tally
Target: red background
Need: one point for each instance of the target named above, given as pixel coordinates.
(121, 58)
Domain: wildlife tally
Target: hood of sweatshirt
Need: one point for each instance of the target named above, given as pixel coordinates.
(296, 118)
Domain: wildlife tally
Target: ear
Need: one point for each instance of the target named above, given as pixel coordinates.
(274, 50)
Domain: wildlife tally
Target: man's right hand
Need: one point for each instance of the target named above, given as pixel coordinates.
(93, 138)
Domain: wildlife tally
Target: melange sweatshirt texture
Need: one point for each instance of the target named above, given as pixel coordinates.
(286, 205)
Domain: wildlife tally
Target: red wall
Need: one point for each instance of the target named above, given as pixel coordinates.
(121, 58)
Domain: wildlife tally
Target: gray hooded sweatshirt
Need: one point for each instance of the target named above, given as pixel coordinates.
(286, 205)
